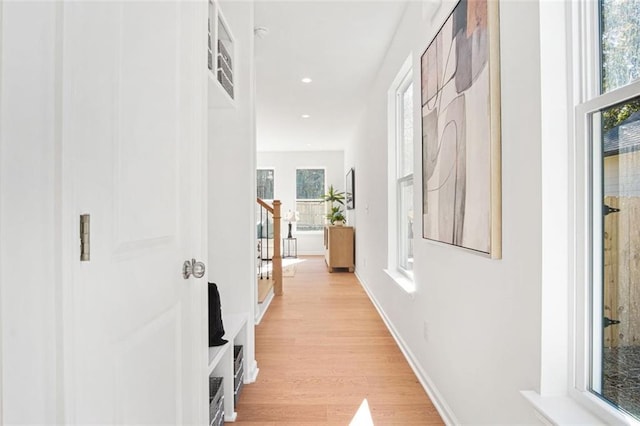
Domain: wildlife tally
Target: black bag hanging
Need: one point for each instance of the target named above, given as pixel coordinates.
(216, 329)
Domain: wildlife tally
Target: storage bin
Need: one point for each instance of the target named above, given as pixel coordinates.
(216, 401)
(238, 357)
(238, 370)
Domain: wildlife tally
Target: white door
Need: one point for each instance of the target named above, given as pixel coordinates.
(133, 106)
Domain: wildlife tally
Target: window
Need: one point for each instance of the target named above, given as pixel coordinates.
(264, 185)
(400, 157)
(404, 174)
(310, 186)
(612, 133)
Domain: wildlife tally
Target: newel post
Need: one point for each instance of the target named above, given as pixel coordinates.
(277, 255)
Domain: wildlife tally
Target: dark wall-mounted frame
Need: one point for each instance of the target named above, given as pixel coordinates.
(351, 189)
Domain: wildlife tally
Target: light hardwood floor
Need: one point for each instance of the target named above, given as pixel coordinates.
(322, 349)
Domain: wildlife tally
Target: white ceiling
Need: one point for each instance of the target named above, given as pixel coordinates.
(338, 44)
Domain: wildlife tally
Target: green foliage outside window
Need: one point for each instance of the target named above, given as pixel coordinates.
(309, 184)
(620, 21)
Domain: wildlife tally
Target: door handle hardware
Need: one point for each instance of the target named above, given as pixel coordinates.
(191, 267)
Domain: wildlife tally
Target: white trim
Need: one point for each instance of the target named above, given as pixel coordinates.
(1, 258)
(601, 409)
(252, 374)
(60, 263)
(560, 410)
(584, 234)
(404, 282)
(434, 395)
(262, 307)
(310, 253)
(273, 169)
(403, 79)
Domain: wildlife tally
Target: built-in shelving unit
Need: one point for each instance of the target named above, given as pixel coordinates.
(221, 360)
(220, 60)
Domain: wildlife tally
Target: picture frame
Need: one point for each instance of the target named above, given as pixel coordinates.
(461, 141)
(350, 186)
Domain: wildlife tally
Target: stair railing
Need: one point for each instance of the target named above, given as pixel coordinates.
(269, 217)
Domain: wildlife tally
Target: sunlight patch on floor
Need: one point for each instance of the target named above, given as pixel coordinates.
(363, 415)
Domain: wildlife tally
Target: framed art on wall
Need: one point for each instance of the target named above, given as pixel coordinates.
(461, 159)
(350, 189)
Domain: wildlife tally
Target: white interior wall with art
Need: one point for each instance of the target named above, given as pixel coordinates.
(29, 214)
(232, 189)
(285, 164)
(472, 326)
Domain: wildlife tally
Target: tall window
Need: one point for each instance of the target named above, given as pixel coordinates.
(310, 186)
(404, 174)
(613, 123)
(265, 180)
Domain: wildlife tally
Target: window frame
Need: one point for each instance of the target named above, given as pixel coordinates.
(317, 231)
(400, 179)
(273, 169)
(588, 248)
(586, 233)
(404, 78)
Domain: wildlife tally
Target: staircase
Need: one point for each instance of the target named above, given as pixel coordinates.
(268, 248)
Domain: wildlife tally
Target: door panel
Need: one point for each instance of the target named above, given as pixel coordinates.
(147, 111)
(129, 114)
(135, 375)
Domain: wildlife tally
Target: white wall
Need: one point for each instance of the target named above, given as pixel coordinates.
(285, 164)
(232, 189)
(482, 316)
(29, 219)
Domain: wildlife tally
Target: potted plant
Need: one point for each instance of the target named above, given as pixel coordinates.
(334, 213)
(336, 216)
(334, 196)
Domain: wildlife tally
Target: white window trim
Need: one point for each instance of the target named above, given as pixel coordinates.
(588, 268)
(274, 182)
(308, 232)
(563, 396)
(404, 279)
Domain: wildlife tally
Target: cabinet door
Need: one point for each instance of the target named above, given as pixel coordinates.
(341, 247)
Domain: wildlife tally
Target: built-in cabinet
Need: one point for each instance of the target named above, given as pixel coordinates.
(224, 363)
(221, 50)
(234, 361)
(339, 247)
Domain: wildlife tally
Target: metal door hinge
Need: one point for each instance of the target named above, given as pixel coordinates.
(85, 245)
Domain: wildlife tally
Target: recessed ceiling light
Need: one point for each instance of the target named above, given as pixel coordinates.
(305, 116)
(306, 80)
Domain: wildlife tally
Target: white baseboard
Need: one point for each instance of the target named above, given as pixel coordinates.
(311, 253)
(436, 398)
(253, 372)
(265, 305)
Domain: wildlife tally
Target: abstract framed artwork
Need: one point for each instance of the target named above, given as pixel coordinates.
(461, 144)
(350, 189)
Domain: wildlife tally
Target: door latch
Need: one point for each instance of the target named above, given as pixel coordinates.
(85, 244)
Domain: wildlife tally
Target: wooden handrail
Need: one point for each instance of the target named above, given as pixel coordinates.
(265, 205)
(276, 260)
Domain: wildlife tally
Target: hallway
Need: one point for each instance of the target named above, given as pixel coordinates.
(323, 350)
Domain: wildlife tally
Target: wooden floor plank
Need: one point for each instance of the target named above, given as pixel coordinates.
(323, 350)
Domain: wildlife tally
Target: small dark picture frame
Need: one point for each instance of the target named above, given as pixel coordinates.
(351, 189)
